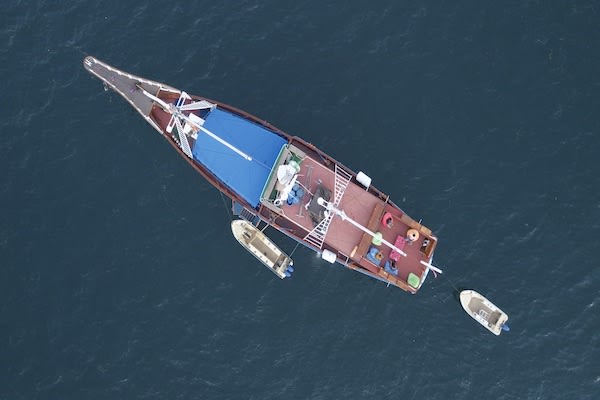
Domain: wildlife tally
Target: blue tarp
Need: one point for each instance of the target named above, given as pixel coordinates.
(247, 178)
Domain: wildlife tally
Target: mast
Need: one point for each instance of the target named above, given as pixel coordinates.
(176, 111)
(223, 142)
(342, 214)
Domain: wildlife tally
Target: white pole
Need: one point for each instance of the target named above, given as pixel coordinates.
(165, 106)
(176, 113)
(223, 142)
(330, 207)
(434, 268)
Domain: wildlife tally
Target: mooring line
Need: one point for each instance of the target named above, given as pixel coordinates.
(449, 281)
(292, 253)
(229, 212)
(453, 285)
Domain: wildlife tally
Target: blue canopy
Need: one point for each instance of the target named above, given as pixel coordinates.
(247, 178)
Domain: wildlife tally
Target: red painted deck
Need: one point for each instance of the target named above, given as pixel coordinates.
(359, 204)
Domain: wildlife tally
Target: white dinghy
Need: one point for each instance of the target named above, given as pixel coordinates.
(484, 312)
(261, 247)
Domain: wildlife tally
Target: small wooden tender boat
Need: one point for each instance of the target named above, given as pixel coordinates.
(483, 311)
(261, 247)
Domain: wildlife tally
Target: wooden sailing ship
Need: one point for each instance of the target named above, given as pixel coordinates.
(283, 181)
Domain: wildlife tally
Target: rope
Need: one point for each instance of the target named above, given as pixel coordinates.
(449, 281)
(297, 244)
(453, 285)
(229, 213)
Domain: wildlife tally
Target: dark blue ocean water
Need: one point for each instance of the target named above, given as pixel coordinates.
(119, 278)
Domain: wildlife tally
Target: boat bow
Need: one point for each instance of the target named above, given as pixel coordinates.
(129, 86)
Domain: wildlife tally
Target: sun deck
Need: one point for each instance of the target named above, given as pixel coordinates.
(361, 205)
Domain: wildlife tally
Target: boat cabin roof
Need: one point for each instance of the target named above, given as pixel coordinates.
(246, 177)
(288, 155)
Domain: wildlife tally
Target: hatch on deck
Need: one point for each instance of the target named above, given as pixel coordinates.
(245, 177)
(282, 177)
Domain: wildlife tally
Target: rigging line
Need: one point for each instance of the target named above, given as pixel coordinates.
(229, 212)
(292, 253)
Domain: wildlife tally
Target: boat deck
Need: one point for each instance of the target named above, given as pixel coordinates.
(368, 210)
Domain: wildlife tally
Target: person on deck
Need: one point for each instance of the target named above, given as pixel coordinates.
(390, 267)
